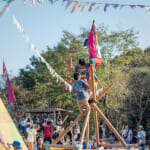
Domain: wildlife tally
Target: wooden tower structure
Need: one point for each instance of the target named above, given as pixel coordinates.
(85, 129)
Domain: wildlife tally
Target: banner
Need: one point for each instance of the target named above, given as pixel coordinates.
(97, 5)
(51, 70)
(11, 96)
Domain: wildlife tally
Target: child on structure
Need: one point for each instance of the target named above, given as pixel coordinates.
(94, 49)
(80, 87)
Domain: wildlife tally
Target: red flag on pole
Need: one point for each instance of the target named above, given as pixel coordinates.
(11, 96)
(4, 69)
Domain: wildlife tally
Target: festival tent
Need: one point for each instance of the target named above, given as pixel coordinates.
(8, 131)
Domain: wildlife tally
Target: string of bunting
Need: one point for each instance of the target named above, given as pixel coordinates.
(33, 2)
(32, 46)
(83, 5)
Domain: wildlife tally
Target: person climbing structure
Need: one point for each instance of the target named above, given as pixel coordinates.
(94, 49)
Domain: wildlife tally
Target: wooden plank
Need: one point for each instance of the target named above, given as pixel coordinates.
(68, 129)
(110, 145)
(115, 145)
(93, 83)
(84, 127)
(104, 92)
(59, 146)
(87, 135)
(107, 122)
(96, 126)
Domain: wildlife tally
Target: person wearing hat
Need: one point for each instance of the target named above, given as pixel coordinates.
(16, 145)
(141, 135)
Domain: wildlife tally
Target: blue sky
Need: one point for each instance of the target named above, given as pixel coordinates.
(44, 27)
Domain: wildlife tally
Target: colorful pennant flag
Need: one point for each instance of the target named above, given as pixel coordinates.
(68, 4)
(11, 96)
(91, 6)
(99, 4)
(4, 70)
(51, 70)
(74, 7)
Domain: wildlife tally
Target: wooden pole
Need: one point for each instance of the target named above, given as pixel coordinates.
(68, 129)
(84, 127)
(96, 127)
(65, 119)
(87, 135)
(109, 125)
(104, 92)
(93, 83)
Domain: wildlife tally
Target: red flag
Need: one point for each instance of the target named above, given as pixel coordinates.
(11, 96)
(4, 69)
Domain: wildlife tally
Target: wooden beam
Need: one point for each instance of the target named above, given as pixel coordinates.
(68, 129)
(116, 145)
(60, 146)
(104, 92)
(107, 122)
(93, 83)
(65, 119)
(87, 135)
(84, 127)
(96, 127)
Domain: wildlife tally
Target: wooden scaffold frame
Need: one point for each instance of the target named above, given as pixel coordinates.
(85, 129)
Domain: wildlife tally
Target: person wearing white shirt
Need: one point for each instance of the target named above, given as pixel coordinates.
(31, 138)
(127, 134)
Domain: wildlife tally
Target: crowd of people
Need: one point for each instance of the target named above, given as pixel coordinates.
(38, 133)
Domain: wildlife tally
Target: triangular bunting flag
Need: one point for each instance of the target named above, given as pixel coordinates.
(84, 7)
(98, 6)
(68, 4)
(105, 7)
(115, 5)
(74, 7)
(91, 6)
(80, 4)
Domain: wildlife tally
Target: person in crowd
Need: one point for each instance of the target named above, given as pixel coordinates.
(40, 144)
(46, 132)
(31, 136)
(141, 137)
(34, 120)
(56, 134)
(17, 145)
(23, 126)
(101, 131)
(70, 133)
(80, 87)
(29, 119)
(77, 135)
(60, 125)
(116, 142)
(127, 134)
(93, 143)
